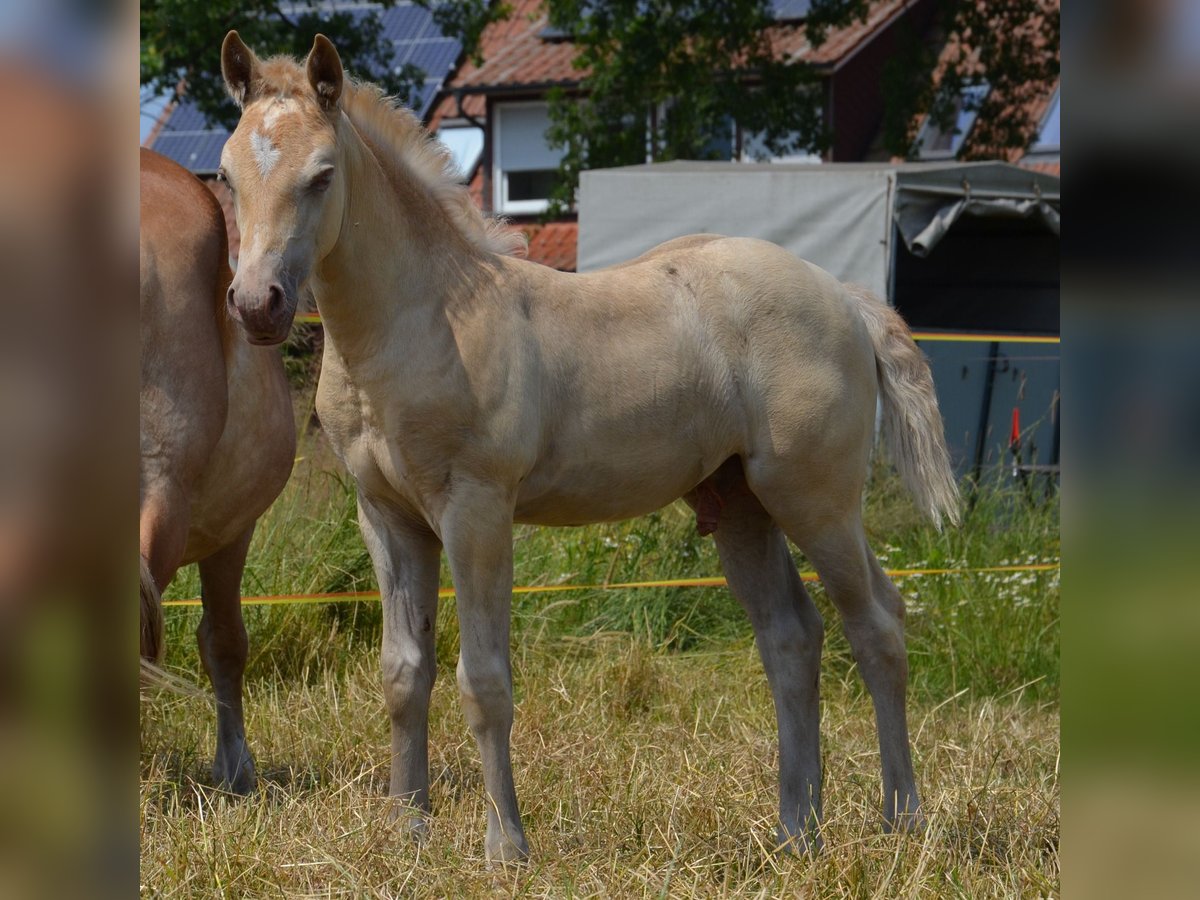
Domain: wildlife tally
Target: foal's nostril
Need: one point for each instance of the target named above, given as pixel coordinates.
(274, 299)
(230, 305)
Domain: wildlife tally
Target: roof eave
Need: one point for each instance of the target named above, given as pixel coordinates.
(532, 87)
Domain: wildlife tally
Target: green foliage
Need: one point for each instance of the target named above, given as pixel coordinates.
(181, 41)
(988, 632)
(667, 79)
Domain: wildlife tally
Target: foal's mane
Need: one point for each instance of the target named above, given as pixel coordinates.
(394, 131)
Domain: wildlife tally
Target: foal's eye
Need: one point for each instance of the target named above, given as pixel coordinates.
(321, 181)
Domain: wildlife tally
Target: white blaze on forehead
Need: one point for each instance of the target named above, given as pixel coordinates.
(266, 154)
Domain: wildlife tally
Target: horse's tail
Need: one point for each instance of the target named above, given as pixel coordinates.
(912, 425)
(152, 617)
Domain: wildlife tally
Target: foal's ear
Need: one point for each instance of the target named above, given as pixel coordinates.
(324, 71)
(239, 68)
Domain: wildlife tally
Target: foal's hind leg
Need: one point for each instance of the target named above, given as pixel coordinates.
(789, 634)
(223, 649)
(872, 613)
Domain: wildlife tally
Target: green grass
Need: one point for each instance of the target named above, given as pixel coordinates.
(644, 742)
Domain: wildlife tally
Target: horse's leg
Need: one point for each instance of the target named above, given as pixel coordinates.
(872, 613)
(223, 649)
(789, 634)
(163, 530)
(477, 532)
(406, 558)
(162, 539)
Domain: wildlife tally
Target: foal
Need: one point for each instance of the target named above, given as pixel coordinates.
(465, 390)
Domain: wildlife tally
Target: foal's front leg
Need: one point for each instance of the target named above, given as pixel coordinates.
(477, 533)
(406, 557)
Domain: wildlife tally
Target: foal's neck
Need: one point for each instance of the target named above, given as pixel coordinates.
(398, 260)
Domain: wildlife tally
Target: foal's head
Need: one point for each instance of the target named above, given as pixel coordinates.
(281, 165)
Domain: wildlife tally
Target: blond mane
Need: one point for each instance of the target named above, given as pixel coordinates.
(394, 130)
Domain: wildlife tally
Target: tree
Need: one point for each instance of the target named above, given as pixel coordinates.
(181, 41)
(666, 79)
(671, 79)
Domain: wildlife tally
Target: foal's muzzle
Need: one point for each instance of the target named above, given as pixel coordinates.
(264, 311)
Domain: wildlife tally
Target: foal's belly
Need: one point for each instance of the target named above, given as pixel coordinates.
(607, 490)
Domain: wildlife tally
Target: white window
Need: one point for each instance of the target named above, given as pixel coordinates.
(933, 143)
(465, 144)
(754, 149)
(1048, 137)
(524, 168)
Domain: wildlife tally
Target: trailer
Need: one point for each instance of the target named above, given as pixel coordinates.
(967, 252)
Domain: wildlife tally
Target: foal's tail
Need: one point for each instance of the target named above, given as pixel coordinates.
(912, 425)
(152, 617)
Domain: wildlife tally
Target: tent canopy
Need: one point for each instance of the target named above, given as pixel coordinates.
(837, 215)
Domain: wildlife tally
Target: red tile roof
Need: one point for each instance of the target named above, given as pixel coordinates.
(1030, 100)
(514, 54)
(840, 43)
(553, 244)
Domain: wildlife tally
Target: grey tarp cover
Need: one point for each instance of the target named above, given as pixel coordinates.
(837, 215)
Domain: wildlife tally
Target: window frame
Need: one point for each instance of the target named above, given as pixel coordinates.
(930, 130)
(500, 201)
(1053, 110)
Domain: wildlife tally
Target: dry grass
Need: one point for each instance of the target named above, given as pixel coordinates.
(644, 744)
(641, 774)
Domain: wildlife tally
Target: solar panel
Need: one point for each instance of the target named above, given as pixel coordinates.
(187, 118)
(783, 10)
(416, 40)
(198, 151)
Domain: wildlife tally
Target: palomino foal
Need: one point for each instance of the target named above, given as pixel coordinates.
(466, 390)
(217, 436)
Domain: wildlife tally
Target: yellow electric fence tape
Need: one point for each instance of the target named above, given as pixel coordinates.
(986, 338)
(315, 319)
(613, 586)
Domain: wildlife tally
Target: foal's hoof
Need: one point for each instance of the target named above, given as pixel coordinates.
(506, 851)
(905, 823)
(804, 843)
(235, 774)
(409, 820)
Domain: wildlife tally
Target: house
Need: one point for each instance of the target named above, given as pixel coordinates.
(503, 101)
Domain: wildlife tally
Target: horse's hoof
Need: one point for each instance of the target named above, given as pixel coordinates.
(804, 843)
(506, 852)
(236, 779)
(906, 823)
(409, 820)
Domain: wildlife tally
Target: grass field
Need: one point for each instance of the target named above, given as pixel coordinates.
(644, 743)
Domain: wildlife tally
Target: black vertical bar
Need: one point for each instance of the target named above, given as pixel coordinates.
(985, 412)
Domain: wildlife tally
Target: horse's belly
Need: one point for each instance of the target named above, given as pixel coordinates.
(604, 492)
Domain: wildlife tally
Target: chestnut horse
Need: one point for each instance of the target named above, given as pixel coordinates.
(465, 390)
(217, 436)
